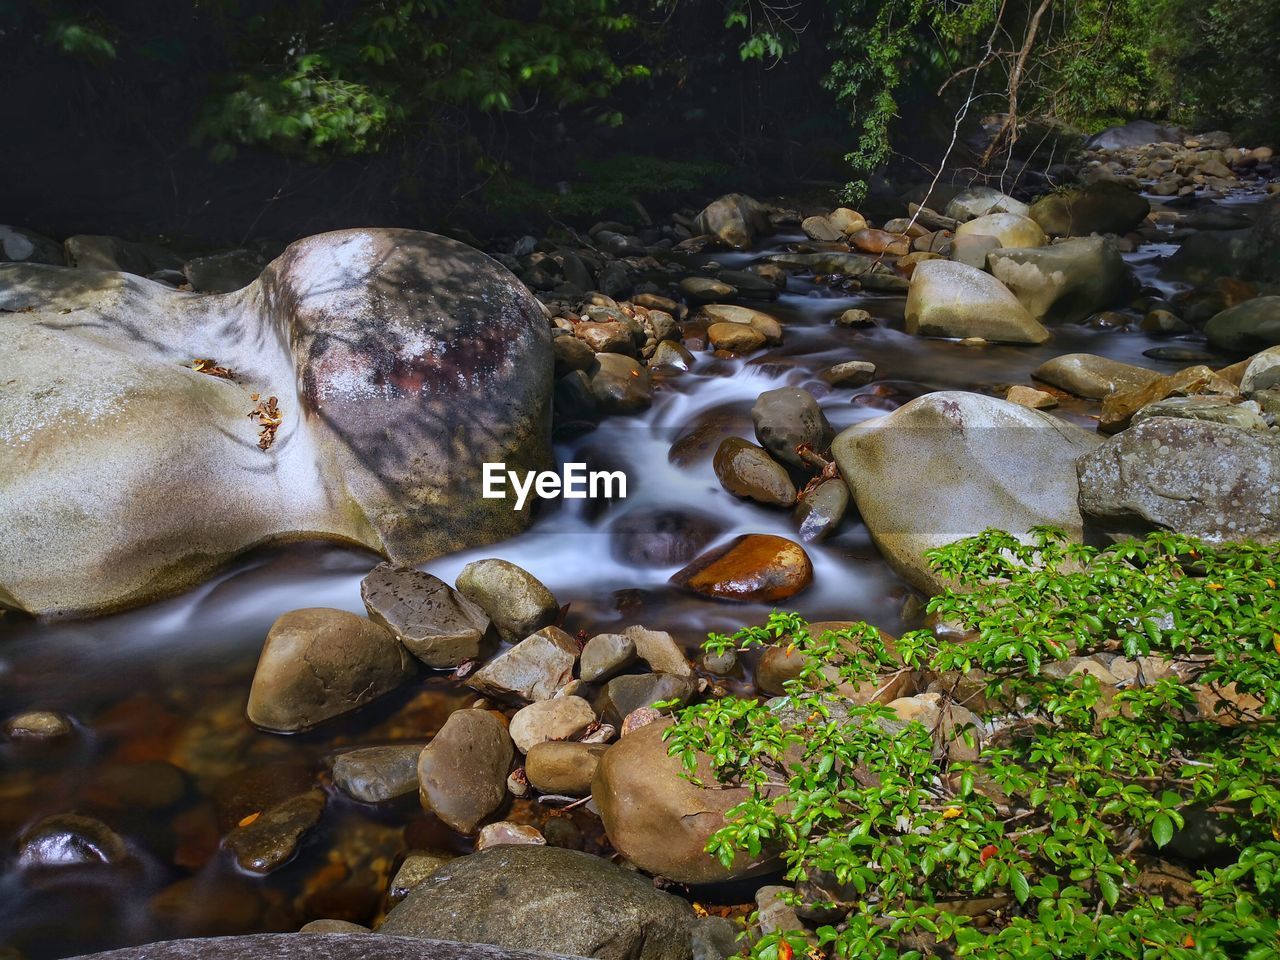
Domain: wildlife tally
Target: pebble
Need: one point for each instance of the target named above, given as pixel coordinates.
(38, 725)
(660, 651)
(505, 832)
(855, 317)
(851, 373)
(270, 840)
(436, 623)
(1031, 397)
(564, 768)
(515, 601)
(557, 719)
(534, 669)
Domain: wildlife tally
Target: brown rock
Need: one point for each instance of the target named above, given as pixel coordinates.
(534, 669)
(735, 337)
(609, 337)
(755, 567)
(462, 773)
(870, 240)
(1031, 397)
(746, 470)
(657, 819)
(319, 663)
(563, 767)
(1118, 408)
(270, 840)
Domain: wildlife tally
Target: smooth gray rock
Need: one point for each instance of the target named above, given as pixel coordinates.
(559, 718)
(1065, 282)
(534, 669)
(951, 464)
(310, 946)
(788, 418)
(1093, 377)
(1208, 480)
(951, 299)
(19, 245)
(606, 654)
(546, 898)
(820, 511)
(436, 623)
(1248, 326)
(377, 774)
(403, 361)
(660, 651)
(979, 201)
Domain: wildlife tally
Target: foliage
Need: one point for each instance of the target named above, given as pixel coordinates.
(1217, 63)
(1056, 824)
(603, 188)
(327, 80)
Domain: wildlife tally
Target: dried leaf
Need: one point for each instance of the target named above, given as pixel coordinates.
(208, 365)
(268, 417)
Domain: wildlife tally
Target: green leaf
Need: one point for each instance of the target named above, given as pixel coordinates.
(1162, 829)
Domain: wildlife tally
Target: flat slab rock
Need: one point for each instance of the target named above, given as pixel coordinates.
(306, 946)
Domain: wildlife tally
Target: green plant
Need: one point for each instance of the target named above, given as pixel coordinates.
(1049, 810)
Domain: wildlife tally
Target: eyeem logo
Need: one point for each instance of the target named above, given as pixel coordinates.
(575, 483)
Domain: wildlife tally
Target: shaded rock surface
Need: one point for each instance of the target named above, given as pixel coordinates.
(1065, 282)
(375, 774)
(308, 946)
(513, 598)
(657, 819)
(546, 898)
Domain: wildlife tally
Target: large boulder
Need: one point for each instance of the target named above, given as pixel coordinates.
(1246, 327)
(735, 218)
(1066, 282)
(949, 299)
(309, 946)
(660, 821)
(1195, 477)
(1135, 133)
(402, 361)
(1104, 206)
(27, 246)
(949, 465)
(544, 898)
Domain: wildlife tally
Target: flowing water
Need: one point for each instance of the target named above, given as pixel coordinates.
(162, 751)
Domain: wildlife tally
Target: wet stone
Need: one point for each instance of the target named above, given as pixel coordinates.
(755, 567)
(506, 833)
(821, 509)
(377, 774)
(436, 623)
(37, 725)
(333, 926)
(746, 470)
(270, 840)
(417, 866)
(67, 839)
(661, 538)
(626, 694)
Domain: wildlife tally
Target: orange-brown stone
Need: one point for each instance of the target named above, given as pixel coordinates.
(754, 567)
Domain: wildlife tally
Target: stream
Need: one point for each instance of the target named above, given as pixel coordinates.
(163, 751)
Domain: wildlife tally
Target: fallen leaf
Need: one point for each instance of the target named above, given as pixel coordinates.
(268, 417)
(989, 851)
(784, 950)
(210, 366)
(249, 819)
(951, 813)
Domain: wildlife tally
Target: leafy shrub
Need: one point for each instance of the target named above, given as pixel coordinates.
(1053, 832)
